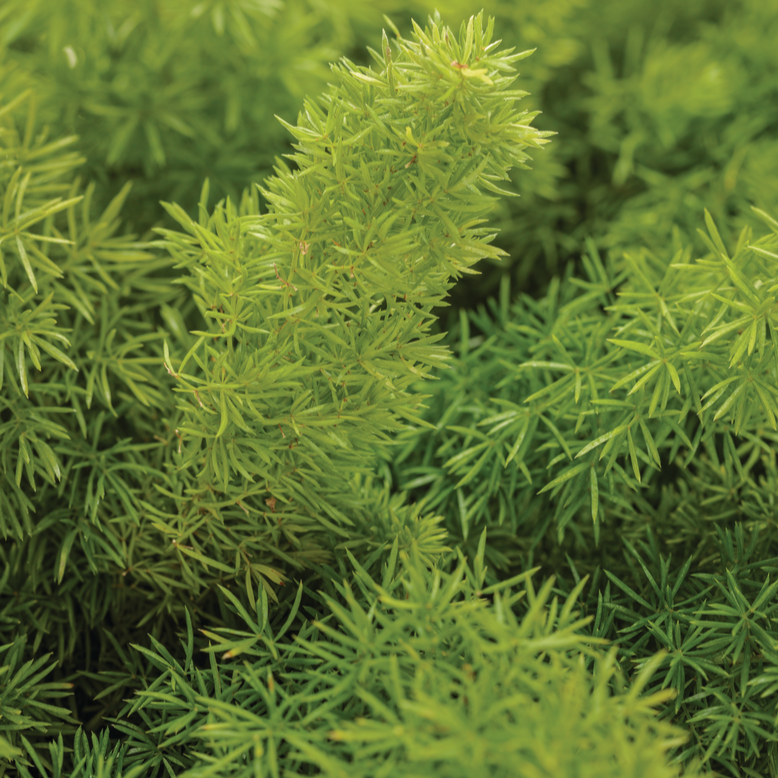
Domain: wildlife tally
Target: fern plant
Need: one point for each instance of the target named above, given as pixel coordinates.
(252, 534)
(620, 426)
(317, 313)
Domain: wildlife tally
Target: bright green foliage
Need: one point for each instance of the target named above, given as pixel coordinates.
(188, 425)
(124, 519)
(64, 273)
(317, 313)
(115, 470)
(283, 400)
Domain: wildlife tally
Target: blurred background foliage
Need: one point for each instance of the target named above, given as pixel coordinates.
(664, 108)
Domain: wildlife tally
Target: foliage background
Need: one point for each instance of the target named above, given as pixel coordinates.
(662, 110)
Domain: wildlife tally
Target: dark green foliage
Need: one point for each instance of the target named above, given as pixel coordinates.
(641, 418)
(171, 92)
(27, 701)
(415, 675)
(651, 362)
(665, 109)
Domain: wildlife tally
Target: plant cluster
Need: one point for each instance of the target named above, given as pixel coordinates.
(623, 426)
(243, 532)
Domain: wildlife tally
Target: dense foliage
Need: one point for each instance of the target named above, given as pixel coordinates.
(269, 507)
